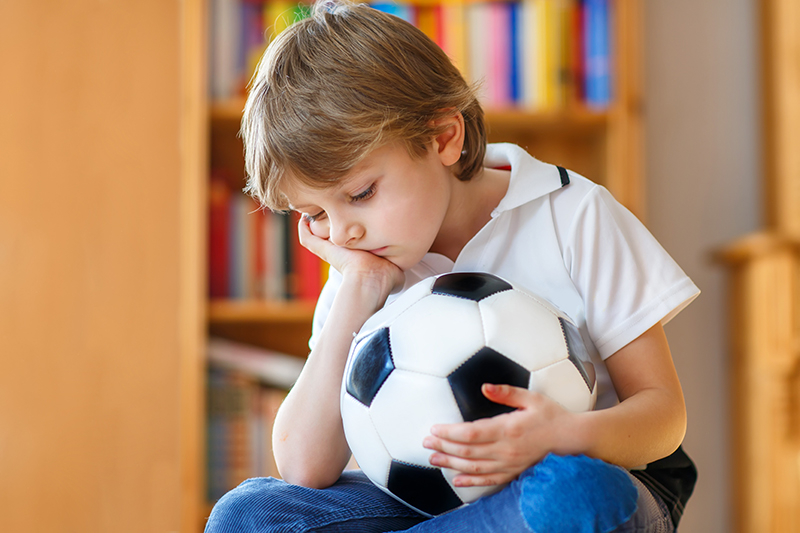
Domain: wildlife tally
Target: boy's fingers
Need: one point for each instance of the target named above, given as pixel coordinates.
(311, 242)
(474, 451)
(507, 395)
(466, 480)
(482, 431)
(467, 466)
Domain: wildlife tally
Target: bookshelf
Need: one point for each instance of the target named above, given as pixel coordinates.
(104, 275)
(603, 143)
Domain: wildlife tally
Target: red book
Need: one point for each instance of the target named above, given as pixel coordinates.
(259, 264)
(219, 204)
(307, 273)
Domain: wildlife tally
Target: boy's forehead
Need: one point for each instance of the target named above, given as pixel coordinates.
(300, 192)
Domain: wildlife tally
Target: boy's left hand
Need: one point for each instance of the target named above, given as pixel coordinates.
(492, 451)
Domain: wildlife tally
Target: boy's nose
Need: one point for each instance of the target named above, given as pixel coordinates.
(346, 234)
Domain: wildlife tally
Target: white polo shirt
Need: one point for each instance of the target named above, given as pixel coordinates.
(572, 244)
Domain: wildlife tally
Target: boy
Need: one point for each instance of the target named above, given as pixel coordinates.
(359, 122)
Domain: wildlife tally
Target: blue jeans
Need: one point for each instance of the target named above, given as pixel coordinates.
(573, 494)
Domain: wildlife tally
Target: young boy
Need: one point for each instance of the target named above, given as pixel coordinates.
(361, 123)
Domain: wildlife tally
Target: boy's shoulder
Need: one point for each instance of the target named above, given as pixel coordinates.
(532, 179)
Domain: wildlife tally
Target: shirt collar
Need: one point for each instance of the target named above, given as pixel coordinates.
(530, 178)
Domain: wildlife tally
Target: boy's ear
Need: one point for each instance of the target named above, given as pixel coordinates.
(450, 142)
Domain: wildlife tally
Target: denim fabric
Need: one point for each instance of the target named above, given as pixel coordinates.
(572, 494)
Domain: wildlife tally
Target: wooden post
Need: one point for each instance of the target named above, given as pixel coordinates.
(780, 30)
(765, 383)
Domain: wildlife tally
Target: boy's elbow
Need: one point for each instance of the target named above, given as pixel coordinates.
(307, 477)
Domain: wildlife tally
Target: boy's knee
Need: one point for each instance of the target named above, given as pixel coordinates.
(576, 493)
(238, 509)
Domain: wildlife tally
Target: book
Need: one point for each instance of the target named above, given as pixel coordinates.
(477, 15)
(500, 44)
(225, 31)
(307, 268)
(218, 235)
(453, 35)
(597, 83)
(240, 412)
(268, 367)
(539, 54)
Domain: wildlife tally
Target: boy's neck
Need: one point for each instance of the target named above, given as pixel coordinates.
(471, 206)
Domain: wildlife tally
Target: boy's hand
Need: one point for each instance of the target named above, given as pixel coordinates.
(496, 450)
(349, 261)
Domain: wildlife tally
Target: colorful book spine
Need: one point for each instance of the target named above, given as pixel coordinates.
(240, 413)
(537, 54)
(254, 253)
(219, 232)
(478, 52)
(597, 53)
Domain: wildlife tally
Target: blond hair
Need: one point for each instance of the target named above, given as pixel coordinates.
(333, 87)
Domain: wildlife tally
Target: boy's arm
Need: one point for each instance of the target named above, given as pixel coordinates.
(647, 424)
(308, 438)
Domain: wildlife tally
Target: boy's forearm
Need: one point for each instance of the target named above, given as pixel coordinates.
(642, 429)
(308, 438)
(650, 421)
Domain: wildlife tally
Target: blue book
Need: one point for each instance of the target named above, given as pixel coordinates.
(398, 9)
(517, 45)
(597, 50)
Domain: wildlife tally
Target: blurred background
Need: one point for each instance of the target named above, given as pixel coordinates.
(110, 134)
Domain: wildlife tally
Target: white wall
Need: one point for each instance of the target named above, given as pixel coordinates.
(703, 171)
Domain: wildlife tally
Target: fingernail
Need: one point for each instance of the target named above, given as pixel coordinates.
(427, 442)
(490, 387)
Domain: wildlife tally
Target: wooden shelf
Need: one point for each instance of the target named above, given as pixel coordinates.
(244, 311)
(572, 118)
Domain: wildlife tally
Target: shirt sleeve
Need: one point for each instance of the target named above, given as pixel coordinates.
(324, 303)
(628, 282)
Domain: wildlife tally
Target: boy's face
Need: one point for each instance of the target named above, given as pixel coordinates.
(390, 204)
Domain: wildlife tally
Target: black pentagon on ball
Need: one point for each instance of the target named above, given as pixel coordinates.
(486, 366)
(372, 364)
(578, 355)
(424, 488)
(470, 285)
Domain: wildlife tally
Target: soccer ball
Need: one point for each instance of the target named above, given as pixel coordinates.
(422, 359)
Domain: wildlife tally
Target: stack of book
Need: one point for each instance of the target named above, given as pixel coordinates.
(536, 54)
(246, 385)
(254, 253)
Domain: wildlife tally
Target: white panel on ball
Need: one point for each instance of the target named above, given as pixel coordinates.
(435, 338)
(390, 312)
(523, 329)
(563, 383)
(427, 400)
(365, 443)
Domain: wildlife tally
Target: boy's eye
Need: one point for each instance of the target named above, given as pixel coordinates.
(313, 218)
(364, 195)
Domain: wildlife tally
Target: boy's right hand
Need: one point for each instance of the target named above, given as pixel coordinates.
(371, 270)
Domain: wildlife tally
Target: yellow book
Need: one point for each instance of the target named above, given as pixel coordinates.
(530, 55)
(454, 35)
(563, 49)
(427, 21)
(278, 15)
(544, 61)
